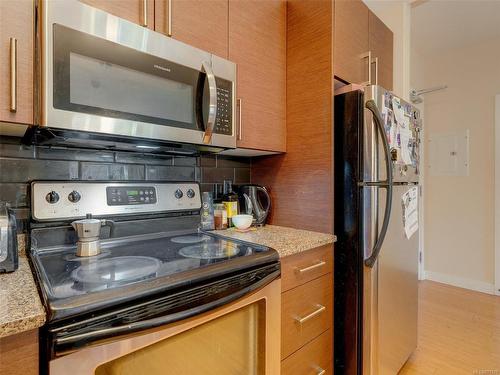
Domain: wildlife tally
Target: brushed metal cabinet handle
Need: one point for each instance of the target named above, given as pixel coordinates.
(212, 106)
(169, 17)
(368, 56)
(144, 13)
(239, 104)
(375, 61)
(13, 74)
(311, 267)
(303, 319)
(321, 371)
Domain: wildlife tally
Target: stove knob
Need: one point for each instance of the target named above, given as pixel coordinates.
(74, 196)
(190, 193)
(179, 193)
(52, 197)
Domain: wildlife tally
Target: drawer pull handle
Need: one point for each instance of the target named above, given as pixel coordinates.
(321, 371)
(310, 268)
(319, 310)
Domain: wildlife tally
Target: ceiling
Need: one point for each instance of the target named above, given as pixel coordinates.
(446, 24)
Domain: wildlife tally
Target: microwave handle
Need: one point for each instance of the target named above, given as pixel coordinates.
(212, 107)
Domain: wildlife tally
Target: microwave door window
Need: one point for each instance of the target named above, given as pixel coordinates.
(96, 83)
(98, 77)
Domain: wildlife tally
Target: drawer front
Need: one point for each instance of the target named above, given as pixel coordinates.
(307, 312)
(300, 268)
(314, 358)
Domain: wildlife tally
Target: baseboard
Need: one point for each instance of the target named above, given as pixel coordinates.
(478, 286)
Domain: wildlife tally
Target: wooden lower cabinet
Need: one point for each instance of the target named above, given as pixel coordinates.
(19, 354)
(312, 359)
(307, 312)
(298, 270)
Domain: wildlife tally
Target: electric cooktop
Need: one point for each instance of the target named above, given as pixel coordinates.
(149, 255)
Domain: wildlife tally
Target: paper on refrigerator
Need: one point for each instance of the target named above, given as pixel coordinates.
(409, 201)
(398, 110)
(404, 136)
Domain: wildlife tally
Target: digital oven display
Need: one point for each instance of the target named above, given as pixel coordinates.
(123, 196)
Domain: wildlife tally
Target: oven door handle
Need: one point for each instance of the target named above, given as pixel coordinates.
(92, 336)
(212, 106)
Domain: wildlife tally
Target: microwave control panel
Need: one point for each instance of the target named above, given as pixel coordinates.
(223, 122)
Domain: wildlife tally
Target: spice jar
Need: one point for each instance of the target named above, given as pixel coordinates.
(220, 216)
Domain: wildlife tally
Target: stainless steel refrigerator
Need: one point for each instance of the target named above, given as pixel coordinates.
(376, 222)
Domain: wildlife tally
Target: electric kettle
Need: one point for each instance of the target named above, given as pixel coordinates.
(251, 204)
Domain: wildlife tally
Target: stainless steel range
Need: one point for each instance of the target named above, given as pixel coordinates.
(155, 284)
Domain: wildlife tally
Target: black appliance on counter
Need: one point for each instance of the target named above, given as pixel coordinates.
(8, 239)
(250, 197)
(159, 268)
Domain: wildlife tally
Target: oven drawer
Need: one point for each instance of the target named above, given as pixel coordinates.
(312, 359)
(300, 268)
(307, 312)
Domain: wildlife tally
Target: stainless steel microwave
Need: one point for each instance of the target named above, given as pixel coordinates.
(103, 75)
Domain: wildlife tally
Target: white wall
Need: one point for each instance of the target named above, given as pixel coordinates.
(459, 210)
(397, 16)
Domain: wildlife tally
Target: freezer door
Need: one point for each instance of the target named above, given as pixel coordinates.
(397, 294)
(383, 100)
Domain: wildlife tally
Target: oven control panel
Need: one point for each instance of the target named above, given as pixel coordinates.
(61, 200)
(125, 195)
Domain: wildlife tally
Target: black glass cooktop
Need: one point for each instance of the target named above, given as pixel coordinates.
(136, 266)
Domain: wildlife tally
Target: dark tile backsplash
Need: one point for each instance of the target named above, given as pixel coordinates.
(20, 164)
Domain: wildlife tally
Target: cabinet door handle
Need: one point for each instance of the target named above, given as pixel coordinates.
(13, 74)
(319, 310)
(321, 371)
(368, 56)
(311, 267)
(240, 129)
(144, 13)
(375, 61)
(168, 17)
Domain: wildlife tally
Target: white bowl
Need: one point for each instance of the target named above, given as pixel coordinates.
(242, 221)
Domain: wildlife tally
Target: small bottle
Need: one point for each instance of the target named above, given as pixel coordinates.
(230, 201)
(207, 211)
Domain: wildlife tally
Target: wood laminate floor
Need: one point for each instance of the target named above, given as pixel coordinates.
(459, 332)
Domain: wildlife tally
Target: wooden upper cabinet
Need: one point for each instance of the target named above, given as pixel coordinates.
(141, 12)
(351, 41)
(200, 23)
(257, 44)
(381, 45)
(16, 61)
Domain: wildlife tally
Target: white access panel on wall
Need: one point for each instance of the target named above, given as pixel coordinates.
(449, 153)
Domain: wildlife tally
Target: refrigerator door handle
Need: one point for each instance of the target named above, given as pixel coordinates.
(387, 184)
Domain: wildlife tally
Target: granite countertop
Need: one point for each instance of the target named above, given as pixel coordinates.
(20, 306)
(286, 241)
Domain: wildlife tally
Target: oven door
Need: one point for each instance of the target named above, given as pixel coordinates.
(242, 337)
(106, 75)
